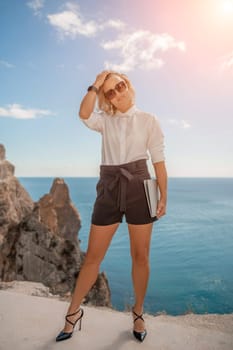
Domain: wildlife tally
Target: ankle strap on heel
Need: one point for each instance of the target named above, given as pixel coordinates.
(138, 316)
(73, 323)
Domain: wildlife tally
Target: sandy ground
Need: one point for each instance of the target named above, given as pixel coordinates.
(33, 322)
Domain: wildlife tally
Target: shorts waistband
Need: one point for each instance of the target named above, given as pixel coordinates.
(131, 166)
(122, 174)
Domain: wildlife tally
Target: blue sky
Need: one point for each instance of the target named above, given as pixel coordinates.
(178, 55)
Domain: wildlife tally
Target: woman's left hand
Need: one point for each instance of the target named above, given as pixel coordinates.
(161, 208)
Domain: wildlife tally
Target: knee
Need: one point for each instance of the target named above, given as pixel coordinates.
(140, 259)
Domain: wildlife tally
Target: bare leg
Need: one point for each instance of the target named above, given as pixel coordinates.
(140, 236)
(99, 241)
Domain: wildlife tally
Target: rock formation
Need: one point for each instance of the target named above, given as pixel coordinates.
(40, 239)
(15, 202)
(57, 211)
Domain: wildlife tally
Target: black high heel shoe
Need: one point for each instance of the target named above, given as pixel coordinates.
(66, 335)
(139, 335)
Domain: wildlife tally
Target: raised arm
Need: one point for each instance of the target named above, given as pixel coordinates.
(88, 102)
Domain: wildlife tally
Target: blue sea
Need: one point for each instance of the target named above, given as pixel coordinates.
(191, 256)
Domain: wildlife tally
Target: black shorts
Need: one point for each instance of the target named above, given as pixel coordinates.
(120, 191)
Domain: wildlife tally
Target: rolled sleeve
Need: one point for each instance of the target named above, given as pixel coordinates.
(155, 142)
(95, 121)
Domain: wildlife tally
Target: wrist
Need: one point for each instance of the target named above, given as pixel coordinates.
(93, 88)
(96, 85)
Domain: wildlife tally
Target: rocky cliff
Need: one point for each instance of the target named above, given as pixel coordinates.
(39, 240)
(15, 202)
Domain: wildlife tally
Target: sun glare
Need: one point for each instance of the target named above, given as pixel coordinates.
(228, 6)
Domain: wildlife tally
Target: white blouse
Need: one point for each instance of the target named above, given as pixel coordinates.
(128, 136)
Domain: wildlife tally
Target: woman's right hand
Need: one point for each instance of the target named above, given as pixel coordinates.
(101, 78)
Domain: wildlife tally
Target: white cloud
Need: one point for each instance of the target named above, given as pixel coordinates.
(18, 112)
(113, 23)
(71, 23)
(72, 6)
(138, 49)
(185, 124)
(6, 64)
(227, 62)
(181, 123)
(36, 6)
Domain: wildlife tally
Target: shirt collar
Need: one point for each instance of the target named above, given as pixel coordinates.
(128, 113)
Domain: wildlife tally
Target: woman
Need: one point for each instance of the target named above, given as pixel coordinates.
(127, 134)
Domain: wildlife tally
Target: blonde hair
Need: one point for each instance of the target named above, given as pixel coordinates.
(106, 105)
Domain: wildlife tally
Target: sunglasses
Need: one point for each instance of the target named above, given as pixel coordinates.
(120, 87)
